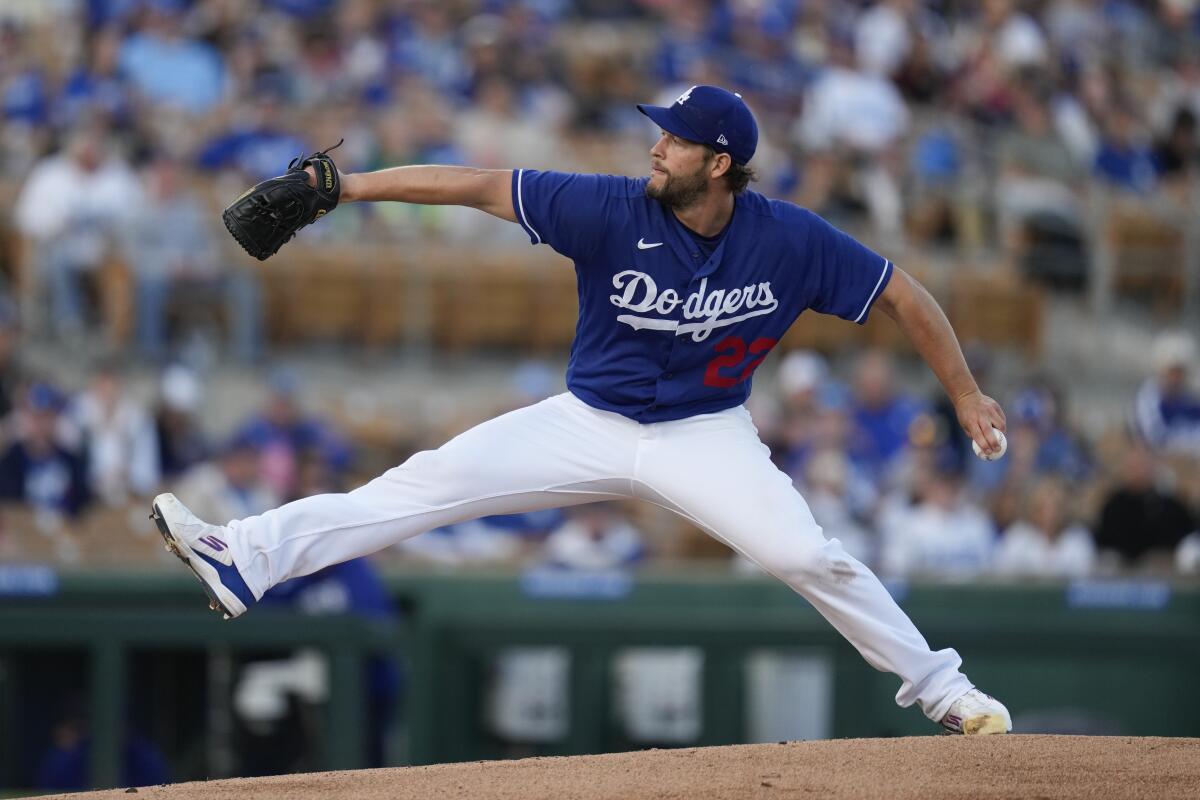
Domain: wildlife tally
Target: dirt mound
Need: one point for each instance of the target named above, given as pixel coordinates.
(1026, 767)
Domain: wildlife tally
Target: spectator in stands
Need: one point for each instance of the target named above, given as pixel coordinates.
(683, 41)
(97, 85)
(760, 58)
(944, 192)
(424, 43)
(37, 469)
(1177, 152)
(1016, 38)
(829, 492)
(182, 443)
(12, 370)
(851, 127)
(23, 104)
(353, 588)
(1141, 521)
(314, 476)
(935, 528)
(117, 435)
(883, 36)
(66, 765)
(169, 68)
(72, 209)
(495, 133)
(1045, 543)
(801, 375)
(1187, 555)
(282, 433)
(1076, 111)
(1039, 175)
(1124, 160)
(259, 144)
(881, 414)
(596, 536)
(1166, 409)
(229, 487)
(982, 86)
(1178, 90)
(174, 251)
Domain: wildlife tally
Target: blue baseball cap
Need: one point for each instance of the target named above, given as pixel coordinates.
(42, 396)
(710, 115)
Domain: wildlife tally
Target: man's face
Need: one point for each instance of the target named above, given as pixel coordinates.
(679, 171)
(42, 429)
(1174, 379)
(241, 467)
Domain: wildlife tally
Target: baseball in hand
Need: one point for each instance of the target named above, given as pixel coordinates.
(999, 435)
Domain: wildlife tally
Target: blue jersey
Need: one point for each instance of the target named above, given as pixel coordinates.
(668, 327)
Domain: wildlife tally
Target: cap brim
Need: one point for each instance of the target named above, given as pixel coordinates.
(670, 122)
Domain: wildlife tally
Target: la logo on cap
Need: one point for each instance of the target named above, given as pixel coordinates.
(683, 98)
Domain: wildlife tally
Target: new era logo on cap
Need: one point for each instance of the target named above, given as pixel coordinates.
(710, 115)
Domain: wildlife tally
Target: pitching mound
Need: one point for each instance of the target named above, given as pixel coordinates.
(1025, 767)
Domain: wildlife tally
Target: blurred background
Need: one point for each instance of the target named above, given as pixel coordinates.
(1034, 163)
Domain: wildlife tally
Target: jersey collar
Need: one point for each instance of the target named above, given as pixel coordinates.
(683, 245)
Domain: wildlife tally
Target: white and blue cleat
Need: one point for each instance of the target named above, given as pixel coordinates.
(204, 549)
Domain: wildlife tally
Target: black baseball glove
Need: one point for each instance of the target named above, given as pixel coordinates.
(268, 214)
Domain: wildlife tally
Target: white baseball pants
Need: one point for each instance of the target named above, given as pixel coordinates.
(711, 469)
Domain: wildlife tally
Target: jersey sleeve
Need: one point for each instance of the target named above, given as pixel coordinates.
(846, 277)
(564, 210)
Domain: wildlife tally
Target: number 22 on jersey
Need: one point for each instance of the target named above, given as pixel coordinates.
(733, 352)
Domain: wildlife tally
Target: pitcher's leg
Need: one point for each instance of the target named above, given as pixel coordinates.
(556, 453)
(714, 471)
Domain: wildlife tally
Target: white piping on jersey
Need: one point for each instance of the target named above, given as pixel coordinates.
(873, 291)
(521, 208)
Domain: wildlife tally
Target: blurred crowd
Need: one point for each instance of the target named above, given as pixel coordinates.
(892, 475)
(915, 124)
(100, 445)
(981, 122)
(886, 471)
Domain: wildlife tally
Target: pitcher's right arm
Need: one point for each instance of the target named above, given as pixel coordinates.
(488, 190)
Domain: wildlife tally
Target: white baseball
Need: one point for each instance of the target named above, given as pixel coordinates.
(999, 435)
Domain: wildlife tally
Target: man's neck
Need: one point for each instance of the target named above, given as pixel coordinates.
(709, 215)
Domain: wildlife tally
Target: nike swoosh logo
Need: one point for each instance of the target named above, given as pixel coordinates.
(643, 246)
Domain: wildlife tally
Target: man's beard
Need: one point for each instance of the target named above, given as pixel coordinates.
(680, 191)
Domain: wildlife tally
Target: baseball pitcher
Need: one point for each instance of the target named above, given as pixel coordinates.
(687, 280)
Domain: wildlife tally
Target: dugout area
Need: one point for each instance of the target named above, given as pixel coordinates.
(1061, 657)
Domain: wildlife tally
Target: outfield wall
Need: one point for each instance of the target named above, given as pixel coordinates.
(1099, 657)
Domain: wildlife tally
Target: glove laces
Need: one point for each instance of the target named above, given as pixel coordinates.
(325, 152)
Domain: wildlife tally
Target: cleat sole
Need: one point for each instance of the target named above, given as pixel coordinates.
(985, 725)
(173, 548)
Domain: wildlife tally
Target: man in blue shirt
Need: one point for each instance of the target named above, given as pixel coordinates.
(686, 280)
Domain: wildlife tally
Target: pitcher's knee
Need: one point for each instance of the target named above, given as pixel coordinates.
(809, 562)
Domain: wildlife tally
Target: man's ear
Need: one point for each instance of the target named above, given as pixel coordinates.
(720, 165)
